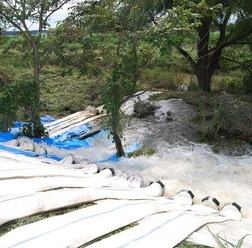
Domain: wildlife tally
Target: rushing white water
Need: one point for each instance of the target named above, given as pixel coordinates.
(178, 162)
(196, 167)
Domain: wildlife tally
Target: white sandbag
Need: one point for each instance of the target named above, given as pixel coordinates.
(27, 146)
(24, 167)
(90, 169)
(80, 226)
(18, 206)
(38, 184)
(135, 181)
(39, 172)
(12, 143)
(168, 228)
(67, 160)
(155, 189)
(41, 150)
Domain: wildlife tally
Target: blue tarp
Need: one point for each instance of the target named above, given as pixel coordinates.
(47, 119)
(74, 132)
(128, 150)
(26, 153)
(4, 136)
(68, 140)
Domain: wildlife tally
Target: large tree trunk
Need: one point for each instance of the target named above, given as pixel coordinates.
(118, 144)
(37, 128)
(202, 66)
(203, 76)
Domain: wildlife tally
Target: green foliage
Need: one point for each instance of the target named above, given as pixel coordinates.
(118, 86)
(235, 83)
(6, 74)
(224, 115)
(29, 131)
(247, 84)
(144, 150)
(120, 49)
(18, 18)
(17, 104)
(223, 243)
(144, 108)
(78, 52)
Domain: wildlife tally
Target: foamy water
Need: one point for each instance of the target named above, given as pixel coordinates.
(199, 169)
(180, 166)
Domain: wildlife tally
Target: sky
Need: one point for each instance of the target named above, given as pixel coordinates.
(59, 15)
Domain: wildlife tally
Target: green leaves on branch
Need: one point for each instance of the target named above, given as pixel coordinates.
(120, 84)
(179, 22)
(17, 104)
(21, 14)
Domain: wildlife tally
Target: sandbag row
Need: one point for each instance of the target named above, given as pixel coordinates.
(82, 226)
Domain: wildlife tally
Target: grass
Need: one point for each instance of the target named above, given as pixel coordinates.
(186, 244)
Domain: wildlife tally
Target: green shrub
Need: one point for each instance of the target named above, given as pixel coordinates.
(158, 77)
(247, 84)
(145, 150)
(227, 116)
(16, 103)
(144, 108)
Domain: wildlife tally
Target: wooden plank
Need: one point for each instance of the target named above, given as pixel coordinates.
(58, 122)
(73, 125)
(70, 123)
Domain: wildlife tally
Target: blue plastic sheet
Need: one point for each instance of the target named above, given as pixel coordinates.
(68, 140)
(26, 153)
(47, 119)
(114, 158)
(74, 132)
(4, 136)
(69, 144)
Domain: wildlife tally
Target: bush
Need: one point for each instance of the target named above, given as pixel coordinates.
(247, 84)
(16, 103)
(144, 108)
(227, 116)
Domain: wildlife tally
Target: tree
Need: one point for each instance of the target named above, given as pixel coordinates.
(20, 15)
(170, 23)
(117, 19)
(120, 85)
(230, 20)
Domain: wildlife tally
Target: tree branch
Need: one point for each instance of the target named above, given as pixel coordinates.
(239, 63)
(187, 56)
